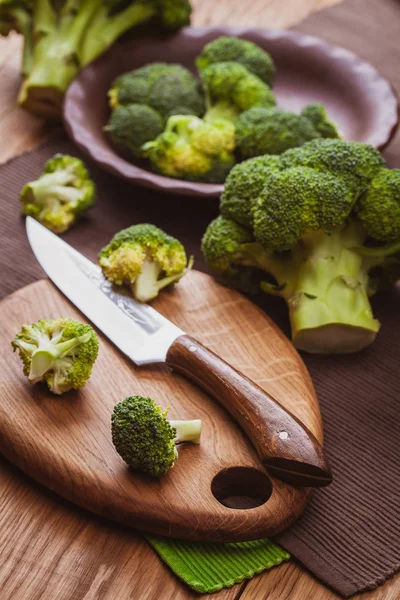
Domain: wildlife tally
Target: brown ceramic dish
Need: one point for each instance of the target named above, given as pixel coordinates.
(360, 100)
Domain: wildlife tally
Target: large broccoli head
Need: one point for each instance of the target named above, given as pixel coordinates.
(145, 439)
(61, 195)
(61, 352)
(251, 56)
(230, 89)
(145, 258)
(243, 187)
(144, 99)
(193, 149)
(262, 130)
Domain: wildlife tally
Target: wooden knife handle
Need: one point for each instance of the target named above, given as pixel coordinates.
(286, 447)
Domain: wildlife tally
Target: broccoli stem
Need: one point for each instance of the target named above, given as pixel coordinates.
(51, 189)
(105, 30)
(187, 431)
(327, 293)
(221, 110)
(43, 358)
(147, 284)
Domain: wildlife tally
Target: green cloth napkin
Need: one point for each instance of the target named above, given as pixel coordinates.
(208, 568)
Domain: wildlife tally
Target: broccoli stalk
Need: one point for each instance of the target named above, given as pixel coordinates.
(144, 437)
(148, 284)
(63, 37)
(61, 352)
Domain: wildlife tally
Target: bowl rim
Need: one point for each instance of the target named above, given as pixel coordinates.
(384, 93)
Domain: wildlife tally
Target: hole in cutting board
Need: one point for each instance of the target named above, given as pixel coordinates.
(241, 487)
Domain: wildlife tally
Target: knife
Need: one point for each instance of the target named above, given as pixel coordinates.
(287, 449)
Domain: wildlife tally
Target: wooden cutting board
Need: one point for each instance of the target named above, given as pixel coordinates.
(65, 442)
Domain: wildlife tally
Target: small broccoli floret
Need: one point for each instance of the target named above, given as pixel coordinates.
(297, 201)
(132, 126)
(243, 187)
(146, 259)
(251, 56)
(193, 149)
(145, 439)
(230, 89)
(61, 352)
(271, 131)
(316, 113)
(379, 207)
(356, 162)
(61, 195)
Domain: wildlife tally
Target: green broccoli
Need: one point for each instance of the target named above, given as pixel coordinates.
(63, 37)
(144, 258)
(243, 186)
(262, 130)
(311, 236)
(61, 195)
(192, 149)
(145, 439)
(61, 352)
(251, 56)
(144, 99)
(316, 113)
(231, 89)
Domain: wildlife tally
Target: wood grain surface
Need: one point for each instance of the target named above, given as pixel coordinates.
(53, 550)
(65, 443)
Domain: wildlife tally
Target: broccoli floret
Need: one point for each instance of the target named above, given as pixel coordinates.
(251, 56)
(311, 237)
(60, 352)
(169, 89)
(63, 37)
(61, 195)
(243, 186)
(144, 258)
(356, 162)
(145, 439)
(379, 207)
(316, 113)
(132, 126)
(230, 89)
(193, 149)
(271, 131)
(144, 99)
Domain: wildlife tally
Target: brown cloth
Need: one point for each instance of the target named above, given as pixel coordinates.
(349, 536)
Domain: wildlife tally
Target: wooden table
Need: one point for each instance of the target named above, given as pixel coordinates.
(51, 550)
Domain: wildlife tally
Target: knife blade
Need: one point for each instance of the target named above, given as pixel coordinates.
(285, 446)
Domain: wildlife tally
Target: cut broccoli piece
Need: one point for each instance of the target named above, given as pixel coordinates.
(145, 439)
(193, 149)
(309, 236)
(144, 99)
(262, 130)
(251, 56)
(144, 258)
(316, 113)
(62, 37)
(230, 89)
(379, 207)
(243, 187)
(61, 195)
(61, 352)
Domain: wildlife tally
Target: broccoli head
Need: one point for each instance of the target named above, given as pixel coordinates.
(144, 99)
(61, 195)
(379, 207)
(145, 439)
(61, 352)
(243, 187)
(251, 56)
(309, 237)
(230, 89)
(262, 130)
(144, 258)
(193, 149)
(316, 113)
